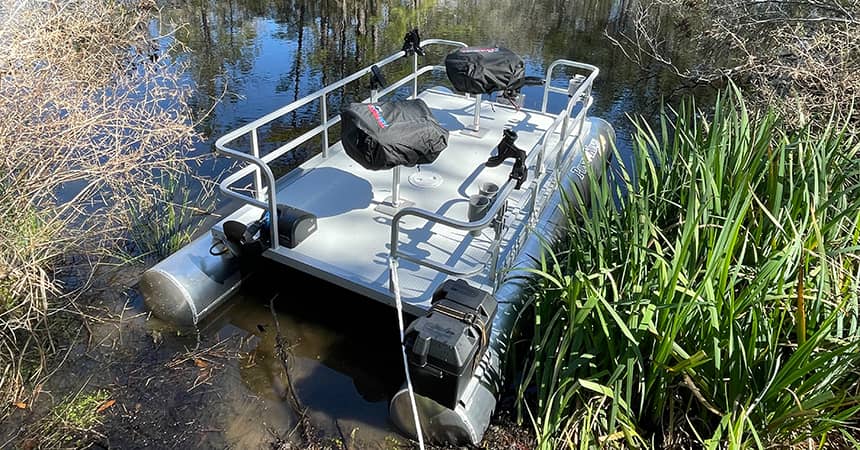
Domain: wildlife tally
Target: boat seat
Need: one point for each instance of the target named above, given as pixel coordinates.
(484, 70)
(385, 135)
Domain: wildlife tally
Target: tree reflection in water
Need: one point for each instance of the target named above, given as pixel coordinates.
(259, 55)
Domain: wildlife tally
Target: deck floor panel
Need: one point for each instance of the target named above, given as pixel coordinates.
(351, 244)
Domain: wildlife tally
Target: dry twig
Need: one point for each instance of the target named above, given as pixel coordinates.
(91, 109)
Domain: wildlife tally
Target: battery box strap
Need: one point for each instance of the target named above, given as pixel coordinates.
(471, 318)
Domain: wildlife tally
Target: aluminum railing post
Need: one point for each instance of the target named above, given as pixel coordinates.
(258, 179)
(324, 112)
(395, 187)
(415, 76)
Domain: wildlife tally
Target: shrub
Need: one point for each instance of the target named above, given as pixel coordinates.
(91, 109)
(800, 58)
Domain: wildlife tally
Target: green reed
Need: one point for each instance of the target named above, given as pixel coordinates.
(166, 219)
(719, 306)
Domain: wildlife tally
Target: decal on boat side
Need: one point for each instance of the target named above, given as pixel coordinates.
(589, 152)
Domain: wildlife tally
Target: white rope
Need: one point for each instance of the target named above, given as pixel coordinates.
(395, 288)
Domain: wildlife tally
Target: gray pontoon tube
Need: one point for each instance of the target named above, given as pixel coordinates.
(189, 284)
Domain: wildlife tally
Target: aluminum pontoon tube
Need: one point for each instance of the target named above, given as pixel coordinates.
(190, 283)
(468, 421)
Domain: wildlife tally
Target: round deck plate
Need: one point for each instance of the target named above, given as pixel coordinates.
(425, 179)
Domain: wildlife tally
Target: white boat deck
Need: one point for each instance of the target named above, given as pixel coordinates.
(351, 245)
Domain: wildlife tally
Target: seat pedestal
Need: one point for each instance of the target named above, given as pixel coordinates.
(474, 129)
(393, 202)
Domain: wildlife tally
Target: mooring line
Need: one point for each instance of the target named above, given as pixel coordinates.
(395, 288)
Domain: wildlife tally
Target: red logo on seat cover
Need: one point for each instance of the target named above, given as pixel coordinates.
(377, 114)
(480, 50)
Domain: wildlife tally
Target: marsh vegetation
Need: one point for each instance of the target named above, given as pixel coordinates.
(720, 305)
(91, 112)
(718, 308)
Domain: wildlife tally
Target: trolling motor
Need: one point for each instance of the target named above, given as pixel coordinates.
(412, 43)
(294, 226)
(508, 149)
(242, 239)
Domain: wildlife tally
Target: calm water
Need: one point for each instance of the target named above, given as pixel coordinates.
(247, 58)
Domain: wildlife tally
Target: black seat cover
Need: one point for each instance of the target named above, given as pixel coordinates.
(388, 134)
(483, 70)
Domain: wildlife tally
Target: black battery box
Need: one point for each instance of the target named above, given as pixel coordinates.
(445, 346)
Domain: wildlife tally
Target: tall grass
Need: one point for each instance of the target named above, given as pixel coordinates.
(719, 307)
(166, 220)
(90, 108)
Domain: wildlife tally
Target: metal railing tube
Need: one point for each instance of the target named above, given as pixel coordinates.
(258, 181)
(415, 76)
(302, 101)
(402, 82)
(476, 120)
(576, 65)
(301, 139)
(395, 187)
(272, 202)
(497, 204)
(427, 42)
(324, 112)
(443, 268)
(539, 162)
(498, 227)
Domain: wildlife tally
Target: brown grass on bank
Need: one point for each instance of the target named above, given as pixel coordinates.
(800, 57)
(90, 109)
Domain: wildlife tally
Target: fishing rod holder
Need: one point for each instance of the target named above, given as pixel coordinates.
(508, 149)
(412, 43)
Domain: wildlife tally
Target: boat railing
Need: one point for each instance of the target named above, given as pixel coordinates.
(579, 93)
(264, 179)
(493, 214)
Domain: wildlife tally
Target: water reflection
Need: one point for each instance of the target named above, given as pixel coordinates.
(256, 56)
(260, 55)
(343, 358)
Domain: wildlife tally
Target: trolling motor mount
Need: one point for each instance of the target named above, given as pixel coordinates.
(508, 149)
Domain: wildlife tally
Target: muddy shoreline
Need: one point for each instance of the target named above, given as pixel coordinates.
(225, 385)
